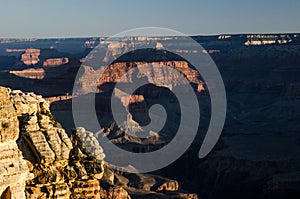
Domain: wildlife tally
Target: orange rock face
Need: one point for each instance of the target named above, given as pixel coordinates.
(31, 56)
(30, 73)
(53, 62)
(113, 74)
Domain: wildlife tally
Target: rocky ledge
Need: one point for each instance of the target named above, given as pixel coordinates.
(39, 160)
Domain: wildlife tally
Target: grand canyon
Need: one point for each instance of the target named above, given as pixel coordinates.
(43, 154)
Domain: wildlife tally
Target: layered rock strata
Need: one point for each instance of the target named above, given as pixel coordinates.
(92, 80)
(31, 56)
(30, 73)
(13, 168)
(39, 160)
(53, 62)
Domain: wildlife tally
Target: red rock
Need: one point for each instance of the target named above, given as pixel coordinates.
(31, 56)
(53, 62)
(30, 73)
(90, 82)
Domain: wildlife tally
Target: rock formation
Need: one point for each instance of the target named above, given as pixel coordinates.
(53, 62)
(262, 85)
(31, 56)
(14, 50)
(267, 39)
(13, 168)
(39, 160)
(32, 141)
(224, 37)
(30, 73)
(91, 80)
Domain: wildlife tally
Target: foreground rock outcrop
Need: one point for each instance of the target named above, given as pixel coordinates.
(39, 160)
(13, 168)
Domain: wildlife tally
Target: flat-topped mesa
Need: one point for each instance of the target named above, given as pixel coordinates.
(113, 74)
(53, 62)
(222, 37)
(261, 39)
(30, 73)
(31, 56)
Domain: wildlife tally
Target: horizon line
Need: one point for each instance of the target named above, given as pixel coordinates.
(191, 35)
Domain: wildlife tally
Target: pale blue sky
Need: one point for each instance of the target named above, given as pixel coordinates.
(83, 18)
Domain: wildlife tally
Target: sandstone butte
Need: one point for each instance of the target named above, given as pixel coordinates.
(31, 56)
(115, 71)
(31, 73)
(53, 62)
(39, 160)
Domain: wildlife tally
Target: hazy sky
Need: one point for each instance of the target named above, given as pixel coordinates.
(79, 18)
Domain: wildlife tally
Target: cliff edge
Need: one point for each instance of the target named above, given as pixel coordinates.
(39, 160)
